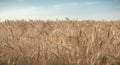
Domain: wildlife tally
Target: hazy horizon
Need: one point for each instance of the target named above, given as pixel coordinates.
(52, 9)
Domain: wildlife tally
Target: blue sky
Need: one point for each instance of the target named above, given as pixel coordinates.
(52, 9)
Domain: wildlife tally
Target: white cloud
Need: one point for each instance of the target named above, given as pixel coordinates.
(91, 3)
(30, 13)
(57, 6)
(74, 4)
(63, 5)
(19, 0)
(71, 4)
(17, 13)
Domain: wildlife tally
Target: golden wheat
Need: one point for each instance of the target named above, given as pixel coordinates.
(60, 42)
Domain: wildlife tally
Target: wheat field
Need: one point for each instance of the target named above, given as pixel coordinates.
(60, 42)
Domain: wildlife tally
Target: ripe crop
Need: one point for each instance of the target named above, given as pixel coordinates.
(60, 42)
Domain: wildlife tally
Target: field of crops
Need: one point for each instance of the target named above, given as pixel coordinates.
(60, 42)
